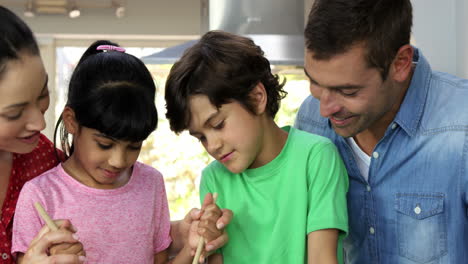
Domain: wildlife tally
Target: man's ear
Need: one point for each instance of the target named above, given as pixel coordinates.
(402, 64)
(69, 120)
(259, 97)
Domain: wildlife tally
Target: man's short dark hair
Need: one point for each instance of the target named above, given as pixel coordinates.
(383, 26)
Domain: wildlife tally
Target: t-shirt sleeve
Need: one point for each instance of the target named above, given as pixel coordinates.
(162, 237)
(26, 222)
(205, 183)
(328, 185)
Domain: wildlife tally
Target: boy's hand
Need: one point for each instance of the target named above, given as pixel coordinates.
(210, 227)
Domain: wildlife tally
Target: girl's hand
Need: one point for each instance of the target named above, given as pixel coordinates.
(37, 252)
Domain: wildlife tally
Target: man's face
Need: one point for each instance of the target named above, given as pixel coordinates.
(352, 95)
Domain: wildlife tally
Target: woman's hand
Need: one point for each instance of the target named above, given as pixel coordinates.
(67, 249)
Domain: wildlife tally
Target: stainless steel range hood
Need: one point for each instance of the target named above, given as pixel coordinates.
(275, 25)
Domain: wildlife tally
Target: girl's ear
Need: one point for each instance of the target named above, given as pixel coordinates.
(69, 120)
(259, 97)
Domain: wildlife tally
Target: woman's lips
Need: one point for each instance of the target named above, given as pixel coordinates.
(30, 139)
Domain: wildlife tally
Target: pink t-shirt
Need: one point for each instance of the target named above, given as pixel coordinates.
(129, 224)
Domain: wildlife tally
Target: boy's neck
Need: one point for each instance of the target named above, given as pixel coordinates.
(273, 143)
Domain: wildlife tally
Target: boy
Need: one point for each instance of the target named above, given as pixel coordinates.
(286, 187)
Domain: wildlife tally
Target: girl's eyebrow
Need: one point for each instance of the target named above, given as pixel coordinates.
(101, 135)
(23, 104)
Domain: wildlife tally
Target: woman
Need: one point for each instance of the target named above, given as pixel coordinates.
(25, 153)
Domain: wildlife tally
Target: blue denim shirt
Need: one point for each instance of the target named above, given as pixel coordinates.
(413, 209)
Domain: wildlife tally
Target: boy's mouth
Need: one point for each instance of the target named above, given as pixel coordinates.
(226, 157)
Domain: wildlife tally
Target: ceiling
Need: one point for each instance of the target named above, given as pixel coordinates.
(72, 8)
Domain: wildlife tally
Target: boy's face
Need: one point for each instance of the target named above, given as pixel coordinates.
(99, 161)
(231, 134)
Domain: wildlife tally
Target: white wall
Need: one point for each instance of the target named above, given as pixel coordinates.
(440, 31)
(153, 17)
(462, 37)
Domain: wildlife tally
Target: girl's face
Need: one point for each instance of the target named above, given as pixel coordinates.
(230, 134)
(100, 161)
(24, 98)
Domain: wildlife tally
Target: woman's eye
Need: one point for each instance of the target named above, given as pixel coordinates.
(44, 95)
(14, 117)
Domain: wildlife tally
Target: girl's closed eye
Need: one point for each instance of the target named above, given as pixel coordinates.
(104, 146)
(135, 147)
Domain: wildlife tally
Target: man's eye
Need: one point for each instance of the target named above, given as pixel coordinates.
(349, 92)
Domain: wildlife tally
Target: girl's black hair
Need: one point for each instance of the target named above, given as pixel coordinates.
(15, 38)
(112, 92)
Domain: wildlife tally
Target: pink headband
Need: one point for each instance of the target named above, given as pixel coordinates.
(110, 47)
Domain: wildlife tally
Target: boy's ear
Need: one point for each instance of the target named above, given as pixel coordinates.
(69, 120)
(259, 97)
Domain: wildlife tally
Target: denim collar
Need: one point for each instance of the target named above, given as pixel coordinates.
(412, 107)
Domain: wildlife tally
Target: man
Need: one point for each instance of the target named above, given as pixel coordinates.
(401, 129)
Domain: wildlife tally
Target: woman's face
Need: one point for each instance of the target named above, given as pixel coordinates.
(24, 98)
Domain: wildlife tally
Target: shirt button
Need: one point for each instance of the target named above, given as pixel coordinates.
(4, 256)
(417, 210)
(394, 125)
(368, 188)
(375, 155)
(371, 230)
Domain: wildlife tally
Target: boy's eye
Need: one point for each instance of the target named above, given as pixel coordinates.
(104, 146)
(220, 125)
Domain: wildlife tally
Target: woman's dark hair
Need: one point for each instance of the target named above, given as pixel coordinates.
(224, 67)
(383, 26)
(15, 38)
(112, 92)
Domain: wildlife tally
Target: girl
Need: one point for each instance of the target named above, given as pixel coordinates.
(117, 204)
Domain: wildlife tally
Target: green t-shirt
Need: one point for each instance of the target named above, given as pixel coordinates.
(275, 206)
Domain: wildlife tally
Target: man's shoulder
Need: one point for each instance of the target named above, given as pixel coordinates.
(309, 119)
(446, 102)
(309, 112)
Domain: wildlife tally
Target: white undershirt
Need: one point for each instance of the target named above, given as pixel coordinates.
(362, 159)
